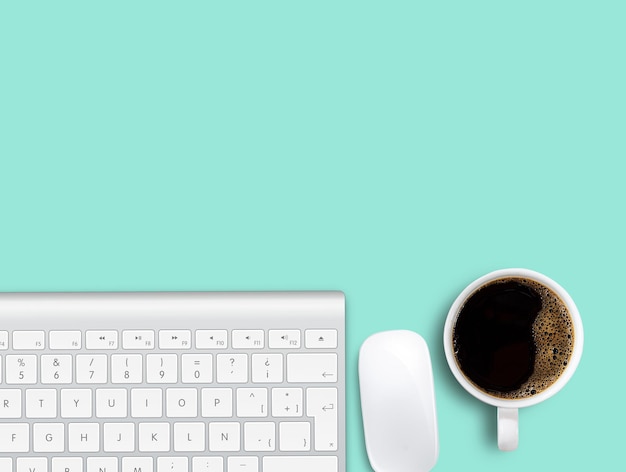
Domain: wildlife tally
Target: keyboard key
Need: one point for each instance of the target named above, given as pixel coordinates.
(119, 437)
(10, 403)
(197, 368)
(162, 368)
(312, 368)
(211, 339)
(136, 464)
(146, 402)
(284, 339)
(267, 368)
(56, 369)
(300, 464)
(232, 368)
(65, 340)
(175, 339)
(320, 338)
(102, 464)
(6, 463)
(217, 402)
(224, 437)
(14, 437)
(126, 368)
(91, 369)
(4, 340)
(172, 464)
(28, 340)
(252, 402)
(138, 339)
(287, 402)
(83, 437)
(182, 402)
(76, 403)
(67, 464)
(259, 436)
(248, 339)
(111, 403)
(321, 404)
(154, 437)
(294, 436)
(32, 464)
(101, 340)
(48, 437)
(208, 464)
(243, 464)
(41, 403)
(189, 437)
(21, 369)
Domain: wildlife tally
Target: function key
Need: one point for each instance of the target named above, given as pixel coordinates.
(211, 339)
(65, 340)
(284, 339)
(175, 339)
(138, 339)
(4, 340)
(28, 340)
(248, 339)
(320, 338)
(106, 340)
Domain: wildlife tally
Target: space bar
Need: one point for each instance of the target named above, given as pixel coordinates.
(300, 464)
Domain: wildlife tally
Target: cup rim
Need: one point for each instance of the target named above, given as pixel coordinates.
(567, 373)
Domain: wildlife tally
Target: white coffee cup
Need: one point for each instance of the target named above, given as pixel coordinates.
(508, 435)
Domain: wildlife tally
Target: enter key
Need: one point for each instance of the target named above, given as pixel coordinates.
(321, 404)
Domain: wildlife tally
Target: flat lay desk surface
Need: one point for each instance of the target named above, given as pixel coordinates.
(395, 151)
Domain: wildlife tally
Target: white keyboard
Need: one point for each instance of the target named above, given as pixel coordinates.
(172, 382)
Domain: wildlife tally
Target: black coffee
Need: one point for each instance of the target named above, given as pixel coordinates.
(513, 338)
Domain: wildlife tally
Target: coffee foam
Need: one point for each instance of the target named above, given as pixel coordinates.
(553, 334)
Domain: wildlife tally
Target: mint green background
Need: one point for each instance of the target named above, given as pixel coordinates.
(393, 150)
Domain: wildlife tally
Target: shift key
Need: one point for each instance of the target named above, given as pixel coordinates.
(312, 368)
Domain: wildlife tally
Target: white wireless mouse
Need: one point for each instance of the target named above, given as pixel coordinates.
(398, 402)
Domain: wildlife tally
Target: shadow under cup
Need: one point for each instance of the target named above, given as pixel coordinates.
(513, 338)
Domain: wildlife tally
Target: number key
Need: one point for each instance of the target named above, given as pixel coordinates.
(21, 369)
(91, 369)
(197, 368)
(126, 369)
(161, 368)
(56, 369)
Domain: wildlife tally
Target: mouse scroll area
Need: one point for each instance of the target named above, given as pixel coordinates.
(398, 402)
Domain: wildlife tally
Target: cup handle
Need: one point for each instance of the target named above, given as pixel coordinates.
(508, 429)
